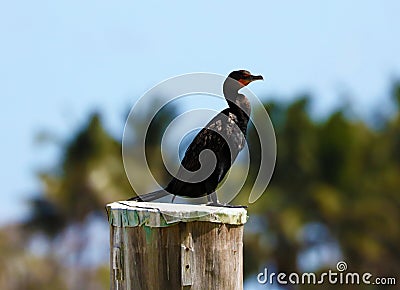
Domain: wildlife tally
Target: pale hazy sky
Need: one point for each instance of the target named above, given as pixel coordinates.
(61, 59)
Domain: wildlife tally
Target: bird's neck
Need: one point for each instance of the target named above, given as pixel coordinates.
(239, 105)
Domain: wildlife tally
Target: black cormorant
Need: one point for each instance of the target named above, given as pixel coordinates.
(201, 170)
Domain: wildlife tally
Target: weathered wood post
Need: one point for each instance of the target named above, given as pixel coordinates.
(175, 246)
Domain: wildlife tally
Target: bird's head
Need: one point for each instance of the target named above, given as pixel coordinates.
(236, 80)
(244, 77)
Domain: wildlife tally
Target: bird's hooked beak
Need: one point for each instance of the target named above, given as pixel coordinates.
(255, 78)
(249, 78)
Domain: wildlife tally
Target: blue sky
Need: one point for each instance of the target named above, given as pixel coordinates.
(61, 59)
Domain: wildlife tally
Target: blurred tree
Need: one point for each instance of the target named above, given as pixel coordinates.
(339, 174)
(90, 174)
(20, 269)
(335, 192)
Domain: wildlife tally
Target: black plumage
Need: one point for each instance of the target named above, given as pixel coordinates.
(211, 153)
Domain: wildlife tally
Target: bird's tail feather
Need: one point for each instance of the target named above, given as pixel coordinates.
(150, 196)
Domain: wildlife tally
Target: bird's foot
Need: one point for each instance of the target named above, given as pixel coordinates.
(218, 204)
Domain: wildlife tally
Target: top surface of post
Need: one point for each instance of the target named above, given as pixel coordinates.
(152, 214)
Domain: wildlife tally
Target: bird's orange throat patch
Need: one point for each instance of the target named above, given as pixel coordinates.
(244, 82)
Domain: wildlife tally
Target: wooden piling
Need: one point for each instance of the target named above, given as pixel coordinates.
(175, 246)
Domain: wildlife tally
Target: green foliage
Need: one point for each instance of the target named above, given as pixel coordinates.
(89, 174)
(339, 174)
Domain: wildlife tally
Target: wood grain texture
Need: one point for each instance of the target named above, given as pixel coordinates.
(192, 255)
(117, 273)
